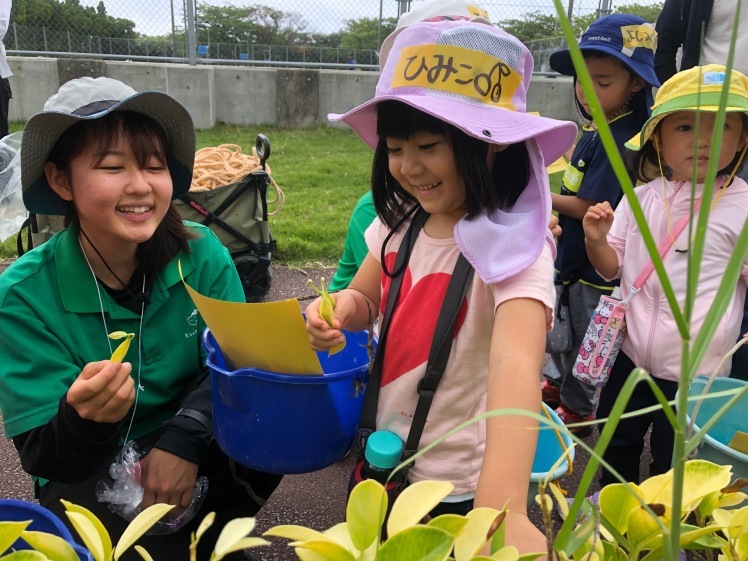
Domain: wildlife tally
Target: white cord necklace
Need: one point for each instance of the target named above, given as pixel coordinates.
(139, 386)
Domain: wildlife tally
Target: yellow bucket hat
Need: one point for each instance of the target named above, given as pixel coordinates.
(696, 89)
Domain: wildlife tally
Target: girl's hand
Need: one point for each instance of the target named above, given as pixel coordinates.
(322, 337)
(554, 226)
(597, 221)
(167, 479)
(103, 392)
(522, 534)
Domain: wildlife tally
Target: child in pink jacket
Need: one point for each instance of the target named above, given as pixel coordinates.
(668, 155)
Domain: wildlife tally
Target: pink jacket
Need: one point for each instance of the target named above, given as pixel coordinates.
(653, 341)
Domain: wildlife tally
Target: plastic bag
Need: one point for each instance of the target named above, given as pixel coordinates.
(124, 493)
(12, 210)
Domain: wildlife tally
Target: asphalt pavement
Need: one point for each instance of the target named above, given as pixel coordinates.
(315, 500)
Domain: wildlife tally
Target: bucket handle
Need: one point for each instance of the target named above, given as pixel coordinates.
(561, 441)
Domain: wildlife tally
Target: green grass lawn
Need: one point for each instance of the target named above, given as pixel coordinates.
(322, 172)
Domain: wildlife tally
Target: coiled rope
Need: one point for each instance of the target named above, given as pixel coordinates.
(225, 164)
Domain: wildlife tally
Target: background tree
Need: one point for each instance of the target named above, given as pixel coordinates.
(363, 33)
(537, 25)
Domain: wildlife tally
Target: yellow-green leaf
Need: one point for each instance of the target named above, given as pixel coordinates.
(508, 553)
(475, 533)
(642, 526)
(424, 543)
(50, 545)
(730, 500)
(139, 526)
(616, 501)
(206, 523)
(327, 549)
(340, 534)
(120, 352)
(365, 513)
(293, 532)
(89, 534)
(308, 555)
(143, 553)
(450, 523)
(10, 532)
(232, 532)
(415, 502)
(733, 522)
(104, 538)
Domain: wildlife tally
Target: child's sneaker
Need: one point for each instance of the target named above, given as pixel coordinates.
(569, 417)
(551, 394)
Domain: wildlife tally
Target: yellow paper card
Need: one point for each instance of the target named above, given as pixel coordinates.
(739, 442)
(269, 335)
(558, 165)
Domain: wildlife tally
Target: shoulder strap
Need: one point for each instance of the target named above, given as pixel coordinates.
(368, 421)
(441, 344)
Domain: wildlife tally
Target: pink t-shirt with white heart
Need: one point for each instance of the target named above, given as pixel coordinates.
(462, 391)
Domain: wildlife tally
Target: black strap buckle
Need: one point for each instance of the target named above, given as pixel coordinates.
(422, 391)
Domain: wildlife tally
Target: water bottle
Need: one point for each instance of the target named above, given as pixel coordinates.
(382, 453)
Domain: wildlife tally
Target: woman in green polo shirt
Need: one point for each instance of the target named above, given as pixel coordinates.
(111, 160)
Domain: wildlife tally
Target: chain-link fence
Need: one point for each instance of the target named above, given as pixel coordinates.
(338, 33)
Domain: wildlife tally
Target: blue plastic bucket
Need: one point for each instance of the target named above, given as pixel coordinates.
(548, 452)
(714, 446)
(42, 520)
(281, 423)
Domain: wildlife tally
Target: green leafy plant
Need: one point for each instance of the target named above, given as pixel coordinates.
(449, 536)
(233, 537)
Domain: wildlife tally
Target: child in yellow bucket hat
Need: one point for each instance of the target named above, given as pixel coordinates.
(673, 160)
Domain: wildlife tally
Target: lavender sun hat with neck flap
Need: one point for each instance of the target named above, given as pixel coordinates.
(475, 77)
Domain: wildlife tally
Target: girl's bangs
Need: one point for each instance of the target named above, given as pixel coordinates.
(398, 120)
(140, 133)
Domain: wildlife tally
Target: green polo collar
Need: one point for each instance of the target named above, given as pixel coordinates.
(78, 289)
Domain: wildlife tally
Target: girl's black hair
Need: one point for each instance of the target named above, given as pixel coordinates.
(644, 162)
(146, 139)
(485, 190)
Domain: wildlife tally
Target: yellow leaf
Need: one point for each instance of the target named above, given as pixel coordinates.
(50, 545)
(336, 349)
(327, 549)
(25, 555)
(424, 543)
(475, 533)
(139, 526)
(232, 532)
(415, 502)
(89, 534)
(365, 513)
(508, 553)
(204, 525)
(292, 532)
(243, 543)
(616, 503)
(10, 531)
(340, 534)
(120, 352)
(104, 538)
(450, 523)
(143, 553)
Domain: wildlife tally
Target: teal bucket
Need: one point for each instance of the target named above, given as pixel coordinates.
(284, 423)
(548, 452)
(714, 446)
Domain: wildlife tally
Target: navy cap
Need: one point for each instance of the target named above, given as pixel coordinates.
(626, 37)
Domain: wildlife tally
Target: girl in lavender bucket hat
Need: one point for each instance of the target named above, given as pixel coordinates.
(457, 156)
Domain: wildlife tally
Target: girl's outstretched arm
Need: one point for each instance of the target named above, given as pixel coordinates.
(356, 307)
(515, 362)
(596, 223)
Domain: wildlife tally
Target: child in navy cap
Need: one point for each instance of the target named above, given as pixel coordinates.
(618, 51)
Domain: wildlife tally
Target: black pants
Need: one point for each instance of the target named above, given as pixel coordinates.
(5, 97)
(227, 496)
(626, 447)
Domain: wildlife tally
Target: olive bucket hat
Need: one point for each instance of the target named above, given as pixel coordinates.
(85, 99)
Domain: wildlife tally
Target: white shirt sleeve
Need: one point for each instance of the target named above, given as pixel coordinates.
(5, 6)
